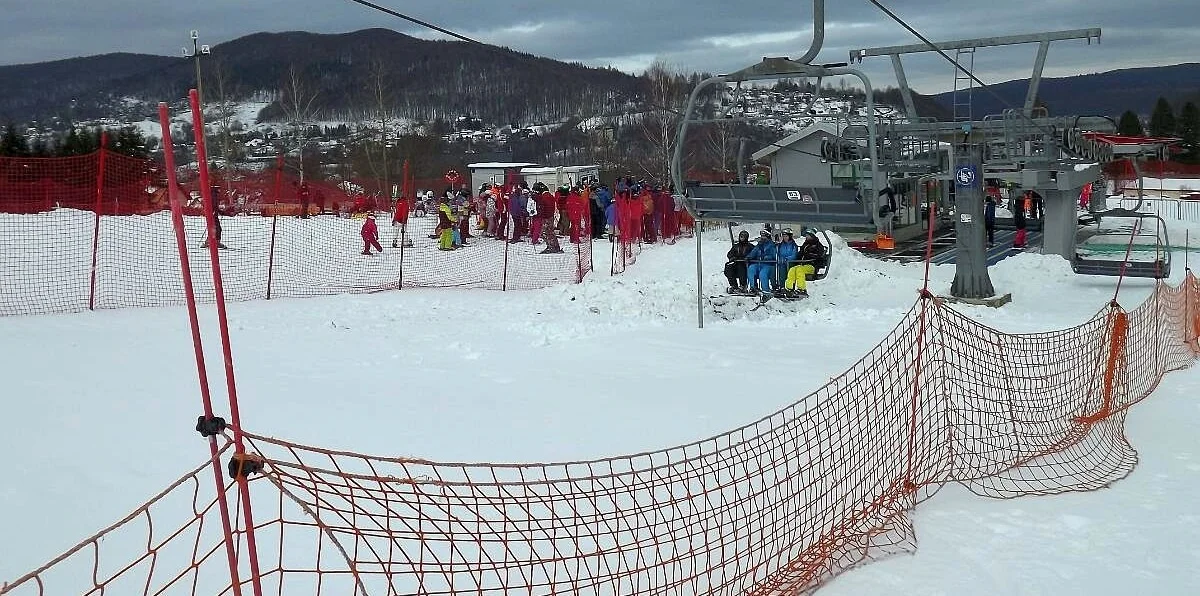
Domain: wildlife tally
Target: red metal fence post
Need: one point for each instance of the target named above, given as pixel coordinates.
(579, 262)
(210, 210)
(278, 179)
(164, 118)
(96, 227)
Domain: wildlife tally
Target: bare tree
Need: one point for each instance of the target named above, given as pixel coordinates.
(665, 98)
(225, 108)
(377, 144)
(722, 145)
(297, 101)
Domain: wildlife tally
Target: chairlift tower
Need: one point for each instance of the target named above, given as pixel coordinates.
(1022, 146)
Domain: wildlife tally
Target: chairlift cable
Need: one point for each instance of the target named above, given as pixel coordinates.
(505, 51)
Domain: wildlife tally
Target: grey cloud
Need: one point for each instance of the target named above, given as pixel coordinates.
(703, 35)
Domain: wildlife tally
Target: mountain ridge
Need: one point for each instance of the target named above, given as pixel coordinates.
(1107, 93)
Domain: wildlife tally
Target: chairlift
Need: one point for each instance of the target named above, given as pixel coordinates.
(821, 268)
(1159, 268)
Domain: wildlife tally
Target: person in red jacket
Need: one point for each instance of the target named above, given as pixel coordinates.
(577, 206)
(400, 223)
(370, 235)
(546, 204)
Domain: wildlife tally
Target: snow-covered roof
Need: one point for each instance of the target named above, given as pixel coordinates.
(498, 165)
(817, 127)
(565, 169)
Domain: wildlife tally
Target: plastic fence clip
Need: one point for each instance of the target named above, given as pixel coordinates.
(210, 426)
(242, 465)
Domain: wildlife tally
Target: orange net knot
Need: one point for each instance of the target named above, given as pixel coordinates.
(242, 465)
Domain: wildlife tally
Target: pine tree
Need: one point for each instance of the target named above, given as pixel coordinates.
(1189, 130)
(40, 149)
(13, 144)
(78, 142)
(69, 145)
(1162, 120)
(1130, 125)
(130, 141)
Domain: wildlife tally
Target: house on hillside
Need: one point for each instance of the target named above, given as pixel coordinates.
(796, 159)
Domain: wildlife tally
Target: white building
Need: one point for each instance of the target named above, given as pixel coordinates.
(796, 159)
(554, 177)
(493, 172)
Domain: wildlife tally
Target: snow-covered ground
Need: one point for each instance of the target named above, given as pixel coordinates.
(101, 404)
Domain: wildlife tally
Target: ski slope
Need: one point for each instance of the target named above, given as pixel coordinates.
(101, 404)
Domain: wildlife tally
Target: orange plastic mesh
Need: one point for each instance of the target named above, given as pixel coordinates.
(774, 507)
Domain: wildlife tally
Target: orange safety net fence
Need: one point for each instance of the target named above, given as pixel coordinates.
(774, 507)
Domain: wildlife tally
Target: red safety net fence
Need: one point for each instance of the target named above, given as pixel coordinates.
(774, 507)
(95, 231)
(646, 219)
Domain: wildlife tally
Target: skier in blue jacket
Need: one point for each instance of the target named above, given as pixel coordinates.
(788, 251)
(763, 260)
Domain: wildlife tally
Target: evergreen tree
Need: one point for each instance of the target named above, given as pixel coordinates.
(1162, 120)
(1189, 130)
(1130, 125)
(129, 141)
(78, 142)
(69, 145)
(40, 149)
(13, 144)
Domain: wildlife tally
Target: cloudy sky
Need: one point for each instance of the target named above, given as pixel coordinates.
(705, 35)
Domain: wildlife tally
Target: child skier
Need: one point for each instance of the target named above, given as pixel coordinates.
(370, 235)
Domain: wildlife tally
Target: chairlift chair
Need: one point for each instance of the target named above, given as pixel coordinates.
(1159, 268)
(821, 269)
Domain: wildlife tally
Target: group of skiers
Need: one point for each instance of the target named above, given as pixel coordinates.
(519, 212)
(773, 265)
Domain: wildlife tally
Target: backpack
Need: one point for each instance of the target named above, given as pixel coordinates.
(531, 206)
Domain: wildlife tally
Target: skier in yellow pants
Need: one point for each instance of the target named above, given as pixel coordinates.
(797, 278)
(810, 253)
(445, 227)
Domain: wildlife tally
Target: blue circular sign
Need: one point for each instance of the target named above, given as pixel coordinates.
(965, 175)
